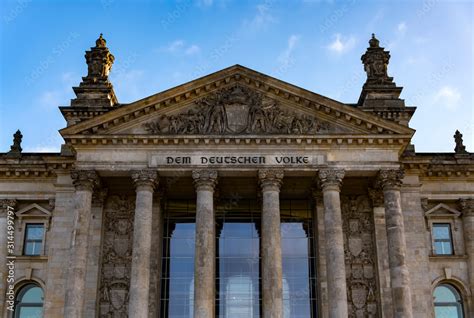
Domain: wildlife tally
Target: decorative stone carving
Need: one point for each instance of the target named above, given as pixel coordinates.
(360, 260)
(331, 178)
(116, 256)
(237, 110)
(95, 90)
(205, 179)
(376, 195)
(460, 148)
(85, 179)
(467, 206)
(390, 179)
(375, 62)
(270, 178)
(145, 178)
(15, 148)
(4, 204)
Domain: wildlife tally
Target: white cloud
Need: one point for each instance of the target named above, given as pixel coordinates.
(175, 46)
(342, 44)
(402, 27)
(180, 47)
(448, 97)
(262, 18)
(193, 49)
(286, 54)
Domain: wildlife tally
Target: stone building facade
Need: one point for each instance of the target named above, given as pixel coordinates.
(237, 195)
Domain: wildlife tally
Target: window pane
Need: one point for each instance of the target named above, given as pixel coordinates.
(34, 232)
(441, 231)
(31, 312)
(446, 312)
(33, 295)
(444, 294)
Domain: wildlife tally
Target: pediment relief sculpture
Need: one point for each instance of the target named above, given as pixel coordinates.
(238, 110)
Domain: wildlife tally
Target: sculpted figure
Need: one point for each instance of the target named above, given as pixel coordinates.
(217, 119)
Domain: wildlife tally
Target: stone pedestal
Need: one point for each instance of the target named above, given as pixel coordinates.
(84, 182)
(205, 255)
(467, 207)
(144, 181)
(331, 181)
(272, 273)
(391, 181)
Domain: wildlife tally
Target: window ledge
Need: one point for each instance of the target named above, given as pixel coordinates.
(26, 258)
(447, 257)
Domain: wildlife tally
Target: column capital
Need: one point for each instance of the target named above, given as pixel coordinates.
(376, 195)
(331, 178)
(5, 204)
(390, 179)
(148, 178)
(270, 179)
(205, 179)
(467, 207)
(85, 179)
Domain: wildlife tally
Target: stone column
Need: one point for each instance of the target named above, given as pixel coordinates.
(5, 204)
(272, 272)
(84, 181)
(205, 255)
(331, 182)
(467, 208)
(145, 181)
(381, 246)
(391, 181)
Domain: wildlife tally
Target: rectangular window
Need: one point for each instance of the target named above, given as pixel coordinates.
(442, 239)
(33, 239)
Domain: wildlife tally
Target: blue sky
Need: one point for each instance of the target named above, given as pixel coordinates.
(160, 44)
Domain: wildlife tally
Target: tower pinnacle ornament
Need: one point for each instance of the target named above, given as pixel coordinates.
(95, 89)
(15, 149)
(379, 88)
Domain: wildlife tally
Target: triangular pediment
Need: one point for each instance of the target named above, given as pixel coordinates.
(237, 101)
(442, 210)
(33, 210)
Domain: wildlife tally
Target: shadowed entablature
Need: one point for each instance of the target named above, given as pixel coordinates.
(380, 95)
(95, 94)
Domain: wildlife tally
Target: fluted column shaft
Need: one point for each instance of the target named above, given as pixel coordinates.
(331, 181)
(391, 181)
(84, 181)
(145, 181)
(272, 273)
(205, 245)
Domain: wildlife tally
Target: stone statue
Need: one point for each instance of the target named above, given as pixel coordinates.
(15, 149)
(460, 148)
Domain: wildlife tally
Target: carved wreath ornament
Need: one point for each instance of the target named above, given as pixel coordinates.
(236, 110)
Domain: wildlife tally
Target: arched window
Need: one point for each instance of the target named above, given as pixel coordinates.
(448, 302)
(29, 302)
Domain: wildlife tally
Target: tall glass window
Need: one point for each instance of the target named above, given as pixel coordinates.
(448, 302)
(29, 302)
(177, 296)
(299, 277)
(238, 260)
(442, 239)
(33, 239)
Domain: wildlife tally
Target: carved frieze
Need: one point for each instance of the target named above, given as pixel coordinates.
(237, 110)
(360, 258)
(116, 256)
